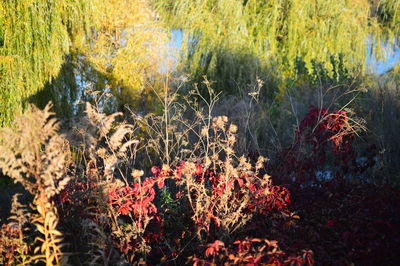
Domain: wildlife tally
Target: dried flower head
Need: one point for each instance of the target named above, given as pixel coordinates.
(219, 122)
(232, 128)
(137, 173)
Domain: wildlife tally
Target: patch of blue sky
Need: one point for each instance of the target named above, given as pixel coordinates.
(173, 51)
(390, 59)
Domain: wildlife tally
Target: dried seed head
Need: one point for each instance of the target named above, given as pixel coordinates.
(204, 132)
(233, 128)
(231, 139)
(165, 167)
(260, 162)
(207, 162)
(137, 173)
(219, 122)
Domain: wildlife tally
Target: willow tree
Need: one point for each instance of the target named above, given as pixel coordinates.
(388, 13)
(117, 41)
(236, 39)
(129, 48)
(34, 37)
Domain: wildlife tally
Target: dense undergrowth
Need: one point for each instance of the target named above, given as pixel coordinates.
(207, 206)
(180, 174)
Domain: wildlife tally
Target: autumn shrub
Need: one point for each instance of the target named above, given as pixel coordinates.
(251, 252)
(135, 204)
(11, 245)
(323, 143)
(223, 205)
(346, 217)
(212, 207)
(14, 240)
(107, 151)
(164, 217)
(35, 155)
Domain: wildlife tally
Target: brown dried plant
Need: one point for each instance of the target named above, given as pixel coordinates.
(175, 134)
(222, 206)
(109, 151)
(35, 155)
(202, 139)
(104, 142)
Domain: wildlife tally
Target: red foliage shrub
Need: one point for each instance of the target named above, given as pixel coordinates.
(11, 244)
(322, 138)
(251, 252)
(342, 222)
(136, 199)
(136, 202)
(158, 219)
(263, 197)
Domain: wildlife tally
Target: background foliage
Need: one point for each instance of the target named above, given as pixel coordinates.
(34, 38)
(233, 41)
(41, 40)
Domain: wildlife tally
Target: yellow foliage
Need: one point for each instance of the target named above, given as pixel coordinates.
(276, 32)
(128, 46)
(34, 38)
(121, 38)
